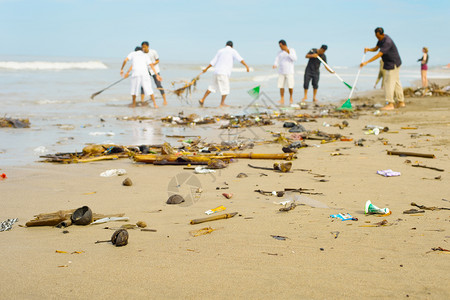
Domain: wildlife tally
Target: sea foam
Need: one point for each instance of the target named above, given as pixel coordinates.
(47, 65)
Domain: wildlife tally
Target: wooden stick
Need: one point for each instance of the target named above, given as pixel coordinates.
(213, 218)
(432, 168)
(410, 154)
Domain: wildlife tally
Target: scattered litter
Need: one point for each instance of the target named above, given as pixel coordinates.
(203, 170)
(440, 249)
(214, 210)
(203, 231)
(372, 209)
(402, 153)
(40, 149)
(335, 234)
(213, 218)
(379, 224)
(175, 199)
(242, 175)
(413, 211)
(388, 173)
(3, 176)
(344, 217)
(119, 238)
(431, 168)
(110, 219)
(141, 224)
(15, 123)
(301, 199)
(113, 172)
(227, 195)
(429, 207)
(289, 208)
(7, 225)
(279, 237)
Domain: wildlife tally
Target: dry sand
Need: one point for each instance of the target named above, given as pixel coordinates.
(241, 259)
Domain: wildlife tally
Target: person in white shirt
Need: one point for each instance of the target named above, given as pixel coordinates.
(139, 75)
(285, 64)
(154, 58)
(222, 63)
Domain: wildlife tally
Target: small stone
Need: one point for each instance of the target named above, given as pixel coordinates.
(127, 182)
(141, 224)
(175, 199)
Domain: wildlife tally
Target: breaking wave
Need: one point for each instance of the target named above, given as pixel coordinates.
(47, 65)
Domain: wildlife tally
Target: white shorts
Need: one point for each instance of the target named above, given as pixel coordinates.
(282, 78)
(221, 83)
(141, 81)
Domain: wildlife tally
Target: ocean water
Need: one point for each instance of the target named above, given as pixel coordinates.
(54, 93)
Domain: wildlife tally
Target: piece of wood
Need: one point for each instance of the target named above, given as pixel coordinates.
(213, 218)
(411, 154)
(426, 167)
(54, 218)
(252, 155)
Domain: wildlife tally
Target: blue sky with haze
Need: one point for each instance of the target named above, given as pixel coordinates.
(192, 31)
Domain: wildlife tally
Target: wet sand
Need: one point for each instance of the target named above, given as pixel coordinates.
(240, 258)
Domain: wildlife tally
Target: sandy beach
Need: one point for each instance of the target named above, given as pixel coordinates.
(321, 257)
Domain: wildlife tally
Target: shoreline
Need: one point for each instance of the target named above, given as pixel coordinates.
(240, 256)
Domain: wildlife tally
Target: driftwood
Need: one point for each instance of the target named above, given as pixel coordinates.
(410, 154)
(213, 218)
(429, 207)
(53, 219)
(426, 167)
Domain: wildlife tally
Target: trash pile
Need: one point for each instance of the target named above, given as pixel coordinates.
(432, 90)
(14, 123)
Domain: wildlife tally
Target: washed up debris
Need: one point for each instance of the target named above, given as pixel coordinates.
(288, 208)
(388, 173)
(440, 249)
(3, 176)
(202, 231)
(402, 153)
(335, 234)
(14, 123)
(344, 217)
(241, 175)
(7, 224)
(297, 129)
(379, 224)
(119, 238)
(282, 193)
(373, 127)
(247, 121)
(279, 237)
(53, 219)
(109, 219)
(113, 172)
(227, 195)
(203, 170)
(426, 167)
(413, 211)
(429, 207)
(192, 119)
(127, 182)
(213, 218)
(282, 167)
(369, 208)
(214, 210)
(217, 164)
(433, 89)
(175, 199)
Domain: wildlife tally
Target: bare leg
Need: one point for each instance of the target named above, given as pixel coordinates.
(152, 96)
(222, 103)
(164, 98)
(142, 97)
(305, 96)
(204, 97)
(315, 95)
(281, 96)
(133, 103)
(291, 99)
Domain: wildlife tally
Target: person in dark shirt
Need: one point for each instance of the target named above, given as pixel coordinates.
(392, 62)
(312, 71)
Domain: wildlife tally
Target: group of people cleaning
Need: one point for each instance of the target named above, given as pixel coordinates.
(145, 64)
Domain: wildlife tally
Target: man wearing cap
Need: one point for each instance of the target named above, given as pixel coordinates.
(285, 64)
(392, 62)
(312, 71)
(222, 63)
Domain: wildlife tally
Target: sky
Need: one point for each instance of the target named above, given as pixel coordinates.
(189, 31)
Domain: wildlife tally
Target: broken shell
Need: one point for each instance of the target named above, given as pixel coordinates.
(120, 237)
(127, 182)
(175, 199)
(241, 175)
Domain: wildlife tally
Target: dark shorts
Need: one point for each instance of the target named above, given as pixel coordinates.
(158, 85)
(310, 76)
